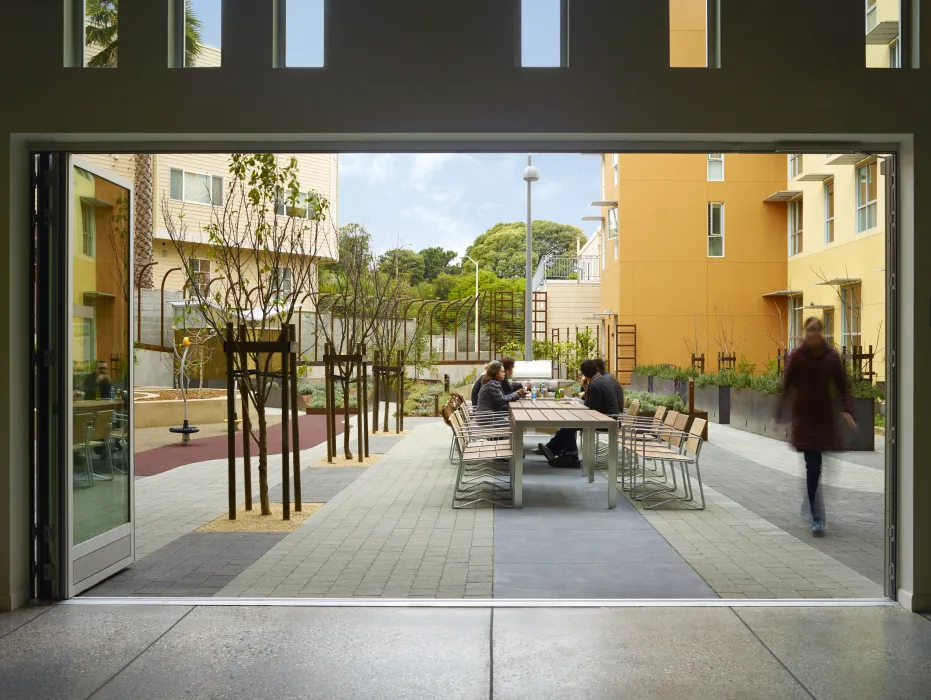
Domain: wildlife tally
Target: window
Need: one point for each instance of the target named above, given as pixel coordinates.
(604, 245)
(866, 197)
(796, 218)
(304, 33)
(715, 167)
(829, 327)
(88, 229)
(543, 41)
(604, 191)
(795, 165)
(615, 165)
(895, 57)
(715, 230)
(612, 229)
(850, 320)
(829, 212)
(282, 281)
(870, 15)
(304, 207)
(796, 320)
(196, 188)
(200, 274)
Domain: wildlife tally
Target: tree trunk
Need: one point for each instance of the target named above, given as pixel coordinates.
(263, 461)
(143, 216)
(346, 437)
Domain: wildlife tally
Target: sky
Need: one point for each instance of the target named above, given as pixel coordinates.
(446, 199)
(305, 37)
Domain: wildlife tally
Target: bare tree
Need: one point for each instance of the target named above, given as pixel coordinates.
(725, 332)
(778, 315)
(696, 344)
(361, 302)
(264, 241)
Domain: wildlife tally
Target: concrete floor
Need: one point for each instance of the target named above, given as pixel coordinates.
(81, 651)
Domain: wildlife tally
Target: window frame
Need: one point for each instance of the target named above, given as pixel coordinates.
(797, 218)
(827, 322)
(871, 205)
(88, 233)
(871, 13)
(713, 159)
(616, 167)
(277, 286)
(895, 54)
(829, 211)
(852, 315)
(199, 277)
(795, 307)
(211, 189)
(795, 165)
(710, 234)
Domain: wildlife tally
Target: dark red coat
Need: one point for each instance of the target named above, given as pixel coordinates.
(807, 385)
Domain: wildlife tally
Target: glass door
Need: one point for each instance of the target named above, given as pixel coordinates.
(99, 465)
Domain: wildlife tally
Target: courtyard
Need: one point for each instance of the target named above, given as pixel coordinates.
(389, 531)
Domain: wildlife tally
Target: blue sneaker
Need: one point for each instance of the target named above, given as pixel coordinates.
(817, 530)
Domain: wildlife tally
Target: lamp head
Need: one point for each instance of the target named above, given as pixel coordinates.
(531, 174)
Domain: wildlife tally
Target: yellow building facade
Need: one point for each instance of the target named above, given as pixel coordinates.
(689, 251)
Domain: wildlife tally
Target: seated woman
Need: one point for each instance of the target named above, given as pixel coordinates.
(491, 397)
(507, 386)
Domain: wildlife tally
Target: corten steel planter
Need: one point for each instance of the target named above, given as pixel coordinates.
(641, 382)
(717, 401)
(753, 412)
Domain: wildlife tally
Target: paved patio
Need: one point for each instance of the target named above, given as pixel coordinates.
(389, 531)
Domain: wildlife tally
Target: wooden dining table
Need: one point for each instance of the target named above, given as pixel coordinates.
(562, 413)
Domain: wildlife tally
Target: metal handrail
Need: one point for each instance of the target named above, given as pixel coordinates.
(582, 268)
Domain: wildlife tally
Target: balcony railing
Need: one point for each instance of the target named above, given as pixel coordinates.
(585, 268)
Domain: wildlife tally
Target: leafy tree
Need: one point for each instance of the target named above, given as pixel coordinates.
(464, 285)
(101, 31)
(502, 248)
(404, 263)
(443, 285)
(355, 244)
(435, 261)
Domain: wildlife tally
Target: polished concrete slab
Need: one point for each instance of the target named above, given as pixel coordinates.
(849, 652)
(159, 651)
(71, 651)
(314, 653)
(10, 621)
(631, 653)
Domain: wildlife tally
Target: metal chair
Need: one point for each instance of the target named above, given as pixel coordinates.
(100, 440)
(80, 438)
(477, 478)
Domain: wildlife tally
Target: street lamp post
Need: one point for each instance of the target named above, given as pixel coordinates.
(531, 175)
(477, 332)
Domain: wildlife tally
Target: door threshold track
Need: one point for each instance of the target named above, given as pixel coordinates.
(491, 602)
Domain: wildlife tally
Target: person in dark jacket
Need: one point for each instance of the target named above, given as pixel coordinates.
(599, 396)
(491, 397)
(507, 386)
(98, 385)
(618, 389)
(811, 370)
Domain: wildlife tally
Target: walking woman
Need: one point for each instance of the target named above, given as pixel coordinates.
(811, 370)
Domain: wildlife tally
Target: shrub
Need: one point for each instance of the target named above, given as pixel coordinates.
(649, 402)
(420, 401)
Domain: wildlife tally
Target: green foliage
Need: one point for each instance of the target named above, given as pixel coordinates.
(502, 249)
(649, 402)
(666, 372)
(879, 420)
(404, 263)
(102, 30)
(421, 401)
(464, 285)
(436, 261)
(568, 353)
(769, 383)
(744, 366)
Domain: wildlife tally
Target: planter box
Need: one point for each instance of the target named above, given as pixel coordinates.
(716, 400)
(663, 387)
(166, 414)
(641, 382)
(753, 412)
(274, 400)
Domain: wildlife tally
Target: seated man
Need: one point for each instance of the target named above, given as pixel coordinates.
(599, 396)
(98, 384)
(618, 389)
(506, 385)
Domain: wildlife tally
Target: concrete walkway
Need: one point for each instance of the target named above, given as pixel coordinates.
(726, 653)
